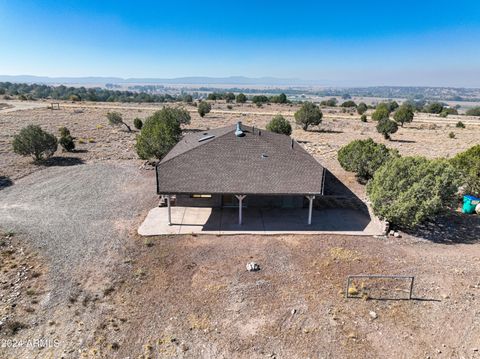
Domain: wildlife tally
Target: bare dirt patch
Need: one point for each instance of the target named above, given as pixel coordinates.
(192, 297)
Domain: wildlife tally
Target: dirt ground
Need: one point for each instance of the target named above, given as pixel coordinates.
(74, 274)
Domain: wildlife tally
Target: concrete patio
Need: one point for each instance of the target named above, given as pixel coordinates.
(187, 220)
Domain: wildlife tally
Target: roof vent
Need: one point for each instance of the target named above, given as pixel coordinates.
(264, 155)
(239, 132)
(206, 138)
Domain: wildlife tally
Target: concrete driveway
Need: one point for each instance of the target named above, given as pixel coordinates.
(258, 221)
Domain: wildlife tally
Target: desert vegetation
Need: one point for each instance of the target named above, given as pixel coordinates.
(308, 115)
(279, 124)
(33, 141)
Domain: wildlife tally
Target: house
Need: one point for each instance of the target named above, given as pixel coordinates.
(239, 166)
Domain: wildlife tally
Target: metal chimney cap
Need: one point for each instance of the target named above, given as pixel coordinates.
(239, 132)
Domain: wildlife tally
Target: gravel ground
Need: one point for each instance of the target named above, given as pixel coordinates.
(78, 216)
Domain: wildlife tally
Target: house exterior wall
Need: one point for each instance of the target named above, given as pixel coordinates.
(185, 200)
(216, 200)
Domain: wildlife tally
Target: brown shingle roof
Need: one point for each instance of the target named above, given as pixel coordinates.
(261, 162)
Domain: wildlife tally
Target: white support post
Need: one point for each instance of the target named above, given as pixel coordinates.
(310, 207)
(169, 211)
(240, 198)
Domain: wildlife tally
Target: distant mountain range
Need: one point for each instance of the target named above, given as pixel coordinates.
(194, 80)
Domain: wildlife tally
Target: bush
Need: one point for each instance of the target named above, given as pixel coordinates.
(434, 107)
(188, 98)
(279, 124)
(137, 123)
(33, 141)
(212, 97)
(475, 111)
(282, 98)
(380, 113)
(241, 98)
(159, 134)
(308, 115)
(204, 108)
(363, 118)
(460, 124)
(349, 104)
(362, 108)
(229, 97)
(386, 127)
(451, 135)
(66, 140)
(330, 102)
(406, 191)
(259, 99)
(115, 119)
(182, 115)
(364, 157)
(404, 114)
(230, 107)
(467, 164)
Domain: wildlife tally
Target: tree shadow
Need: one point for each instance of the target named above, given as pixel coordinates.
(62, 161)
(79, 151)
(5, 182)
(450, 228)
(323, 130)
(402, 141)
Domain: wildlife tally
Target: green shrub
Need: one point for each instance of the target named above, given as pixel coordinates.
(116, 119)
(475, 111)
(241, 98)
(364, 157)
(330, 102)
(259, 99)
(467, 164)
(33, 141)
(64, 132)
(380, 113)
(406, 191)
(66, 140)
(363, 118)
(282, 98)
(460, 124)
(159, 134)
(230, 107)
(387, 127)
(362, 108)
(188, 98)
(404, 114)
(349, 103)
(434, 107)
(229, 97)
(451, 135)
(279, 124)
(204, 108)
(137, 123)
(308, 115)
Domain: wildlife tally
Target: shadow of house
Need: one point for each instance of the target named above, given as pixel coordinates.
(451, 228)
(337, 195)
(5, 182)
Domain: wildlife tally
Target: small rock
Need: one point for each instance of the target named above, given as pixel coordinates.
(397, 235)
(293, 311)
(373, 315)
(253, 267)
(392, 232)
(475, 350)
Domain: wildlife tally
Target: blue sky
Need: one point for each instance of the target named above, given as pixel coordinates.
(340, 43)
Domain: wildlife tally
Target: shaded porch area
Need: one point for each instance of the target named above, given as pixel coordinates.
(185, 220)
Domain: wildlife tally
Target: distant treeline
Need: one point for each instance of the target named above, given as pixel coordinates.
(35, 91)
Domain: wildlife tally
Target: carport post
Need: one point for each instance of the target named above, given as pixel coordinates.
(310, 206)
(169, 211)
(240, 198)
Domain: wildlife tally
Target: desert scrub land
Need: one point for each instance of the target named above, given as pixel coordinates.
(105, 292)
